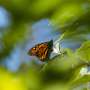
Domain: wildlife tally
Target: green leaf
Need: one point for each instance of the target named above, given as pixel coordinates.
(84, 51)
(82, 81)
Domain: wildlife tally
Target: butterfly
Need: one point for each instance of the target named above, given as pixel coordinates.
(42, 50)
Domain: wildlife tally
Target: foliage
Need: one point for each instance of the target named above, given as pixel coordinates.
(71, 19)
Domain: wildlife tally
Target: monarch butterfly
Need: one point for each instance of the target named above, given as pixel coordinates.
(42, 50)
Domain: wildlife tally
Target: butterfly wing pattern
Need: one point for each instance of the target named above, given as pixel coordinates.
(42, 50)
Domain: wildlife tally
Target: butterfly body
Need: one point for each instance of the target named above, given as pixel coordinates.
(42, 50)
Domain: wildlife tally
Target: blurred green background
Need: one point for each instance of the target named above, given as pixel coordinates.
(24, 23)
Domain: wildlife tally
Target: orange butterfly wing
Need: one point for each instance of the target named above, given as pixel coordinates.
(42, 52)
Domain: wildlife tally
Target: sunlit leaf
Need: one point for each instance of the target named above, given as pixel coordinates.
(10, 82)
(68, 14)
(84, 51)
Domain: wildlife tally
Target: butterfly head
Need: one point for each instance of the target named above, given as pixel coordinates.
(32, 51)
